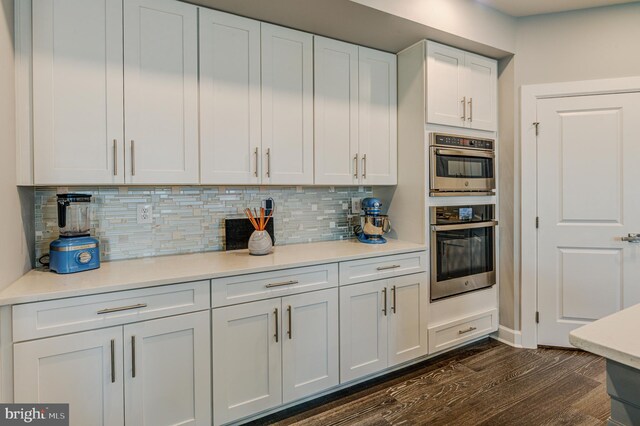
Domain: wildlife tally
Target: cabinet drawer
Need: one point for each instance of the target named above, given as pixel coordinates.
(454, 333)
(374, 268)
(41, 319)
(247, 288)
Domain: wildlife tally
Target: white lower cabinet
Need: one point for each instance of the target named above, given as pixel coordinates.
(270, 352)
(382, 324)
(157, 372)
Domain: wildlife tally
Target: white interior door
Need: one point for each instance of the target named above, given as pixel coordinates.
(229, 99)
(83, 370)
(77, 92)
(167, 371)
(161, 91)
(588, 198)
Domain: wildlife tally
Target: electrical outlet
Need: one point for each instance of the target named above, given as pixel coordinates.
(145, 213)
(356, 205)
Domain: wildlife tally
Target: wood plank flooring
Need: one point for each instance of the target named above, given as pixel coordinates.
(487, 383)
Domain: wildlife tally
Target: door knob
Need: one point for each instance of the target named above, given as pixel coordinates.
(632, 238)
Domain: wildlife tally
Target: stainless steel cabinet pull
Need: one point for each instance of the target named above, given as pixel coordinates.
(464, 108)
(466, 331)
(133, 157)
(632, 238)
(275, 314)
(364, 166)
(393, 299)
(355, 160)
(121, 308)
(384, 301)
(133, 356)
(113, 360)
(384, 268)
(256, 154)
(268, 162)
(115, 157)
(290, 332)
(470, 109)
(292, 282)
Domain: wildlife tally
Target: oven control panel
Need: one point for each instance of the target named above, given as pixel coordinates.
(445, 215)
(461, 141)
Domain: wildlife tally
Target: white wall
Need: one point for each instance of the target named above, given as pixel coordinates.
(15, 232)
(581, 45)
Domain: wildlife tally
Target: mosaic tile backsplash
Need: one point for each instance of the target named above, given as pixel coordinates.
(191, 219)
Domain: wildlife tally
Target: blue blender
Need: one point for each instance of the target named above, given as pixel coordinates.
(372, 224)
(75, 250)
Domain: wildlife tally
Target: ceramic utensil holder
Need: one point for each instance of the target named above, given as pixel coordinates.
(260, 243)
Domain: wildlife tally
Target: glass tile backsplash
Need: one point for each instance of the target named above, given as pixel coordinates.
(191, 219)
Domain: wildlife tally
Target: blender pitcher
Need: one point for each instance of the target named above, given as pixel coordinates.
(73, 215)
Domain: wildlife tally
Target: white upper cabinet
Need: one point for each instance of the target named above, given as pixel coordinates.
(336, 112)
(378, 138)
(461, 88)
(355, 115)
(77, 92)
(161, 91)
(287, 106)
(230, 146)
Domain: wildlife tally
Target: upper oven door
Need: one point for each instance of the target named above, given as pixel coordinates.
(461, 170)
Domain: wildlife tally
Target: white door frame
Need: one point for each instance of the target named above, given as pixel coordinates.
(529, 96)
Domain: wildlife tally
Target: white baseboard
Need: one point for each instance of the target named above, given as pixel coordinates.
(508, 336)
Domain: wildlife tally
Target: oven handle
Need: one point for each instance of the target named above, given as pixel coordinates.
(464, 153)
(464, 226)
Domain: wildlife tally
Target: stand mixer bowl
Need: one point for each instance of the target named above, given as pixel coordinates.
(376, 225)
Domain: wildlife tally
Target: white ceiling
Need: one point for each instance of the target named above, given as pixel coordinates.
(538, 7)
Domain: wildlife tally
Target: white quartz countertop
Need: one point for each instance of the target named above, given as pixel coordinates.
(147, 272)
(614, 337)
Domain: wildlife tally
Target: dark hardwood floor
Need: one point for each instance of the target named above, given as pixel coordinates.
(488, 383)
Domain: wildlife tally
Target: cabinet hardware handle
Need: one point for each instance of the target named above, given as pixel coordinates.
(115, 157)
(467, 330)
(470, 109)
(268, 162)
(355, 160)
(364, 166)
(113, 360)
(292, 282)
(632, 238)
(275, 314)
(121, 308)
(384, 301)
(256, 154)
(290, 332)
(384, 268)
(464, 108)
(133, 157)
(133, 356)
(393, 299)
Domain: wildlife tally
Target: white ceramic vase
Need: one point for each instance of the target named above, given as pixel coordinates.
(260, 243)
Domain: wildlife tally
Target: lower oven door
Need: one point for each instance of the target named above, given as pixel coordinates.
(461, 170)
(462, 258)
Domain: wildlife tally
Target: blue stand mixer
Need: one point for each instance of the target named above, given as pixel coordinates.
(75, 250)
(372, 224)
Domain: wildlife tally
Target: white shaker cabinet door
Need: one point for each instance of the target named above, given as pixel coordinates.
(363, 329)
(230, 130)
(481, 79)
(77, 92)
(336, 112)
(446, 98)
(407, 318)
(83, 370)
(287, 106)
(378, 138)
(167, 371)
(309, 343)
(161, 92)
(247, 369)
